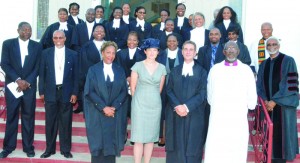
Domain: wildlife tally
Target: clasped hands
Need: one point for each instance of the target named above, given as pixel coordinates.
(22, 85)
(181, 110)
(270, 105)
(109, 111)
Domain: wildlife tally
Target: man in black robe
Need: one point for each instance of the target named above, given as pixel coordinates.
(185, 114)
(278, 86)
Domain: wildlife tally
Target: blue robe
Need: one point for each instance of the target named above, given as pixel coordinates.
(224, 32)
(80, 36)
(244, 55)
(72, 22)
(142, 34)
(104, 133)
(277, 80)
(47, 41)
(184, 135)
(163, 40)
(118, 35)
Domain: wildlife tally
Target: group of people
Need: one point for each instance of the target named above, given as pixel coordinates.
(181, 85)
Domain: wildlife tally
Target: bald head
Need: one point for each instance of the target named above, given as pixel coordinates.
(266, 30)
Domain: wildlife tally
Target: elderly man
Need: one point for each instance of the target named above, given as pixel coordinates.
(231, 91)
(20, 62)
(278, 86)
(58, 87)
(258, 51)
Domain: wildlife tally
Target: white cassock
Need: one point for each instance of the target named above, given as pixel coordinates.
(231, 90)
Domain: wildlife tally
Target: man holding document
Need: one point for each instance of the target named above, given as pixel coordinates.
(20, 62)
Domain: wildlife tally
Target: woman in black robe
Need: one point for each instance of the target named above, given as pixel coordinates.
(104, 97)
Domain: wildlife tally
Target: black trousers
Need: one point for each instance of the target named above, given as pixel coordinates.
(103, 159)
(58, 118)
(27, 104)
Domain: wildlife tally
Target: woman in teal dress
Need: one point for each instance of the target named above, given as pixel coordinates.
(147, 80)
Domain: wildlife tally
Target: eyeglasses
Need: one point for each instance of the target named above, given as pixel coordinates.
(140, 12)
(60, 38)
(274, 44)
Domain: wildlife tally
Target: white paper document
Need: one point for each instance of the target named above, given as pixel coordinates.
(13, 89)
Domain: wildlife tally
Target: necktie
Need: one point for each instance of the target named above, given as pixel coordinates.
(213, 56)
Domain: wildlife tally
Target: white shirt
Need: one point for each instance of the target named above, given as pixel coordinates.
(75, 18)
(226, 23)
(126, 18)
(140, 23)
(172, 54)
(23, 50)
(90, 28)
(97, 20)
(98, 45)
(116, 23)
(63, 26)
(131, 53)
(107, 70)
(162, 26)
(198, 36)
(180, 21)
(59, 64)
(187, 69)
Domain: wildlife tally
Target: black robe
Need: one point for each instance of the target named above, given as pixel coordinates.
(105, 133)
(277, 80)
(184, 135)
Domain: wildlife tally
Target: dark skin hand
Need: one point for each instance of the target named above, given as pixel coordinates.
(22, 85)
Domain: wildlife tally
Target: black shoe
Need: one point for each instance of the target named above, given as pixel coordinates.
(30, 154)
(132, 143)
(47, 154)
(78, 110)
(67, 154)
(4, 153)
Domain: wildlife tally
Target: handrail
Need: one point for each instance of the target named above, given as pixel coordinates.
(261, 132)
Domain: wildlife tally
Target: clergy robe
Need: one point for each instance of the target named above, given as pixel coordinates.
(231, 91)
(163, 40)
(277, 80)
(80, 36)
(105, 134)
(184, 135)
(71, 21)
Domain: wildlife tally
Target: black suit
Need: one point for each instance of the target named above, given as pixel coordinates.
(204, 56)
(57, 101)
(11, 65)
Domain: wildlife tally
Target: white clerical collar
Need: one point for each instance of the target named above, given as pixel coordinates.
(180, 21)
(23, 42)
(126, 18)
(97, 20)
(98, 44)
(172, 54)
(167, 33)
(162, 26)
(63, 26)
(226, 23)
(140, 23)
(90, 24)
(59, 50)
(132, 52)
(107, 69)
(200, 28)
(75, 18)
(116, 23)
(187, 69)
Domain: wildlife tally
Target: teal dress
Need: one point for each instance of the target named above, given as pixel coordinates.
(146, 104)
